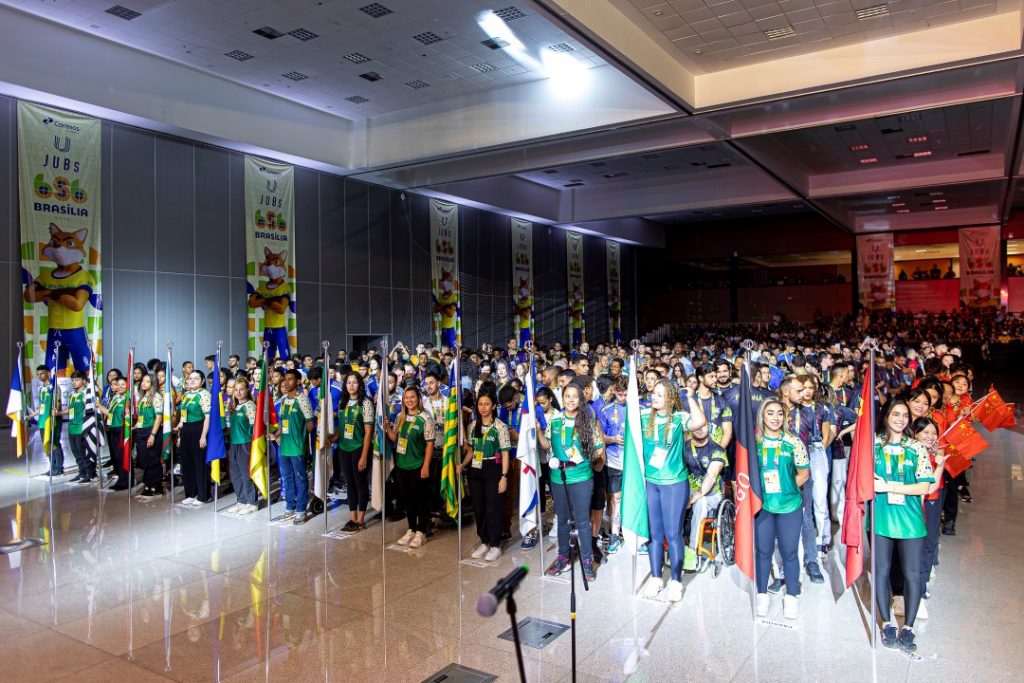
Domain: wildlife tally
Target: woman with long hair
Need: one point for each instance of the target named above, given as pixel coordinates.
(926, 431)
(667, 481)
(574, 439)
(148, 425)
(193, 427)
(355, 436)
(242, 420)
(413, 434)
(486, 455)
(549, 406)
(785, 468)
(903, 476)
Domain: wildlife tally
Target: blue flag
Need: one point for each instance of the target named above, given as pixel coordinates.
(215, 447)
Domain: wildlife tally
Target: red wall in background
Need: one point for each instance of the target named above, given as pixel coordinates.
(1015, 287)
(928, 296)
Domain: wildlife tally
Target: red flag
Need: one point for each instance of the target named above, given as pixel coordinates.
(994, 412)
(129, 418)
(956, 463)
(860, 478)
(967, 441)
(748, 480)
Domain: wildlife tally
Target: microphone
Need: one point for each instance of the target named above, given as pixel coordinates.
(487, 604)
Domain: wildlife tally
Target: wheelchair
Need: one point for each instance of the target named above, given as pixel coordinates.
(717, 534)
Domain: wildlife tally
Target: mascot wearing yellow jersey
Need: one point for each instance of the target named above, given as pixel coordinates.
(275, 298)
(576, 315)
(446, 304)
(523, 310)
(65, 290)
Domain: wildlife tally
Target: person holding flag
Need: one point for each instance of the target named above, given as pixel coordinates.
(291, 433)
(113, 413)
(784, 468)
(49, 419)
(354, 433)
(486, 454)
(148, 425)
(531, 502)
(903, 477)
(266, 419)
(242, 421)
(216, 449)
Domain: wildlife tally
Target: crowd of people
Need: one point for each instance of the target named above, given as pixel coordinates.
(806, 387)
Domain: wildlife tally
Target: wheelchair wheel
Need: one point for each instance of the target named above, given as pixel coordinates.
(316, 506)
(726, 536)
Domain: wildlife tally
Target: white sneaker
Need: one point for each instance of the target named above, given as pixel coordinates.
(480, 551)
(922, 610)
(652, 588)
(418, 540)
(246, 509)
(898, 606)
(407, 538)
(493, 554)
(674, 591)
(553, 533)
(763, 602)
(233, 509)
(187, 501)
(931, 575)
(196, 503)
(790, 607)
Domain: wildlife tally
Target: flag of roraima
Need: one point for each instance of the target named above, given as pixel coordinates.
(449, 481)
(635, 523)
(748, 479)
(860, 478)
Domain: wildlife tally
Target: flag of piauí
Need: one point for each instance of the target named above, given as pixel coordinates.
(259, 468)
(635, 525)
(216, 449)
(449, 483)
(16, 408)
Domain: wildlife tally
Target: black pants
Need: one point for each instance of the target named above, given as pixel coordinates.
(241, 480)
(358, 482)
(148, 458)
(193, 463)
(86, 465)
(930, 553)
(543, 486)
(769, 528)
(952, 501)
(910, 551)
(488, 504)
(338, 469)
(114, 437)
(416, 495)
(57, 454)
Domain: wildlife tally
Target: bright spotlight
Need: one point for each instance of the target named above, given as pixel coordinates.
(568, 75)
(495, 27)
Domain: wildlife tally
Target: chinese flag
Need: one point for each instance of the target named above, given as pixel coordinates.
(994, 412)
(956, 464)
(860, 482)
(966, 439)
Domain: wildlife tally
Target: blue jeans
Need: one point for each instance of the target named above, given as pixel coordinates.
(277, 337)
(294, 483)
(666, 506)
(769, 528)
(581, 493)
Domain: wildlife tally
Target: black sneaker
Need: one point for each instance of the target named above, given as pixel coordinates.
(889, 636)
(949, 529)
(965, 496)
(350, 526)
(813, 573)
(598, 555)
(906, 641)
(557, 567)
(589, 571)
(776, 586)
(75, 480)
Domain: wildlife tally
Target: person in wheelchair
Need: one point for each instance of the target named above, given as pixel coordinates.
(705, 460)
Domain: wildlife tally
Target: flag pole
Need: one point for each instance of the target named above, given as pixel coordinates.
(457, 360)
(266, 434)
(383, 386)
(95, 432)
(874, 545)
(216, 404)
(53, 406)
(325, 394)
(26, 451)
(168, 388)
(748, 346)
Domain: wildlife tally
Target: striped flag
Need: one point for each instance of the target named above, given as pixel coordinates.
(216, 449)
(635, 523)
(16, 408)
(48, 406)
(129, 416)
(749, 494)
(526, 453)
(450, 456)
(381, 463)
(324, 431)
(259, 466)
(90, 430)
(168, 407)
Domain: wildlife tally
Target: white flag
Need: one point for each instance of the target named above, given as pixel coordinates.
(324, 431)
(526, 454)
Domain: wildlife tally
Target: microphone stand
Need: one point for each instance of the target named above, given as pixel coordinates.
(510, 607)
(575, 555)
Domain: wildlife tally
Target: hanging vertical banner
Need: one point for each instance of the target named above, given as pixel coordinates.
(574, 268)
(270, 256)
(444, 273)
(60, 171)
(522, 279)
(614, 291)
(875, 280)
(980, 267)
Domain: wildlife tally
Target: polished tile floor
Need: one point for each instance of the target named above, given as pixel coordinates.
(150, 593)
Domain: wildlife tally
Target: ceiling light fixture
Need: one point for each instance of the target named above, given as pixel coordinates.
(123, 12)
(375, 10)
(917, 139)
(872, 12)
(858, 148)
(779, 33)
(356, 58)
(869, 160)
(509, 14)
(940, 208)
(268, 32)
(303, 34)
(357, 99)
(902, 210)
(923, 153)
(239, 55)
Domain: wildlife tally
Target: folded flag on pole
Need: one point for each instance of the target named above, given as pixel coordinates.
(168, 416)
(324, 431)
(748, 479)
(635, 524)
(129, 416)
(90, 424)
(451, 455)
(266, 415)
(216, 449)
(16, 408)
(860, 480)
(381, 463)
(526, 454)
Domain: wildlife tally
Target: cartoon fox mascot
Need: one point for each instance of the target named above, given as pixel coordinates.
(523, 310)
(576, 315)
(615, 308)
(275, 297)
(446, 303)
(66, 289)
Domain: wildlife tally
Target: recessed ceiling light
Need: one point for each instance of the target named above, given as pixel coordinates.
(371, 76)
(358, 99)
(302, 34)
(417, 84)
(779, 33)
(495, 43)
(923, 153)
(427, 38)
(940, 208)
(872, 12)
(375, 10)
(239, 55)
(902, 210)
(509, 14)
(484, 67)
(936, 193)
(268, 32)
(561, 47)
(917, 138)
(858, 148)
(356, 58)
(123, 12)
(869, 160)
(938, 201)
(295, 76)
(899, 203)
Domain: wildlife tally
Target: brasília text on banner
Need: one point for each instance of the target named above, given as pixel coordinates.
(577, 303)
(614, 291)
(522, 279)
(980, 267)
(60, 171)
(444, 273)
(270, 256)
(877, 285)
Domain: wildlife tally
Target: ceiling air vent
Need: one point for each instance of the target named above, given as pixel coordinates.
(295, 76)
(375, 10)
(418, 85)
(123, 12)
(356, 58)
(509, 14)
(779, 33)
(561, 47)
(572, 185)
(427, 38)
(239, 55)
(302, 34)
(494, 43)
(268, 33)
(484, 67)
(872, 12)
(371, 76)
(357, 99)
